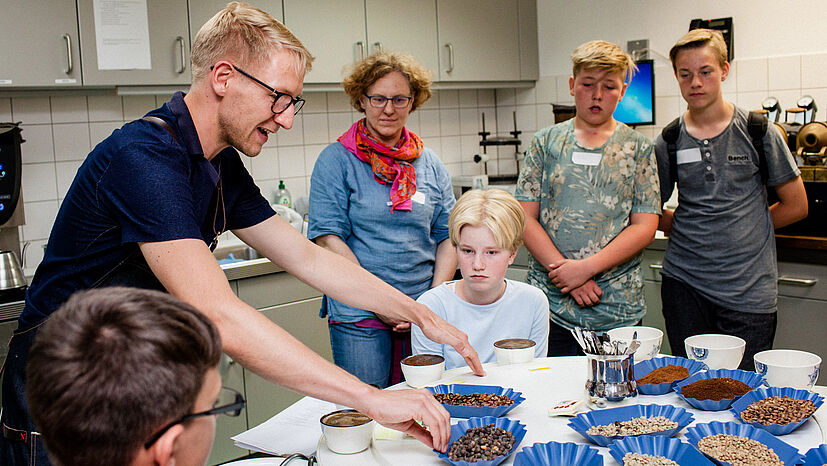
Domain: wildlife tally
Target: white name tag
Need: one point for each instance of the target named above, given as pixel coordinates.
(418, 197)
(688, 155)
(586, 158)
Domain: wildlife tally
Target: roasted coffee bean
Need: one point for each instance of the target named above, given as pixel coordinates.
(777, 410)
(738, 451)
(481, 444)
(638, 459)
(473, 399)
(635, 426)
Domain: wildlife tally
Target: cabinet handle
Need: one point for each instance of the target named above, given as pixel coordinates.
(183, 67)
(797, 281)
(657, 266)
(450, 58)
(69, 64)
(361, 49)
(377, 46)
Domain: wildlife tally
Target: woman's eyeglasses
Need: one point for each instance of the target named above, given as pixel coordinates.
(379, 101)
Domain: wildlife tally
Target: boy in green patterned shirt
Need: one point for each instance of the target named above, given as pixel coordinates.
(589, 187)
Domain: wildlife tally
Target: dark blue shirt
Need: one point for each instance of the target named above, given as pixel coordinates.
(140, 184)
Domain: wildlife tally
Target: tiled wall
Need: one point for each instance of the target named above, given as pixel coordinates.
(60, 131)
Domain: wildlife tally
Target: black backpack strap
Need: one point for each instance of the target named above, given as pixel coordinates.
(757, 127)
(670, 135)
(163, 124)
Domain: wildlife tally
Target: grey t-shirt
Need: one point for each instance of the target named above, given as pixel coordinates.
(722, 242)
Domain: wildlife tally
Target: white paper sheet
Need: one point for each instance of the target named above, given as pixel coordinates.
(122, 35)
(294, 430)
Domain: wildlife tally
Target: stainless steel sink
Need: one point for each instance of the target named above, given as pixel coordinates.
(239, 251)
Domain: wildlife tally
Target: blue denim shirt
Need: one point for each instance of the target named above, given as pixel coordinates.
(399, 247)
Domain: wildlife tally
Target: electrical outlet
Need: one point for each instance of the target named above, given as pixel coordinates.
(638, 49)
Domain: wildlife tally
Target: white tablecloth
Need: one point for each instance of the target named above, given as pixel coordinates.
(542, 382)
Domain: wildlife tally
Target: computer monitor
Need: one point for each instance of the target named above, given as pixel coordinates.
(638, 105)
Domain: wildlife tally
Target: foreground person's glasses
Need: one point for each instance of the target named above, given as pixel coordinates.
(281, 101)
(225, 406)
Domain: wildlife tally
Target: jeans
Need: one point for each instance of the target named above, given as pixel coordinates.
(688, 313)
(367, 353)
(561, 342)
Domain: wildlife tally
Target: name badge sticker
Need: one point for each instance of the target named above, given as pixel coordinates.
(586, 158)
(688, 155)
(418, 197)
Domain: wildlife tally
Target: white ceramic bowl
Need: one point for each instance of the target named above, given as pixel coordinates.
(507, 356)
(347, 439)
(788, 368)
(417, 376)
(717, 351)
(650, 340)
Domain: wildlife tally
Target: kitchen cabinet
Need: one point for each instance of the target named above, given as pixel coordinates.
(224, 449)
(202, 10)
(169, 47)
(479, 40)
(341, 33)
(650, 266)
(53, 57)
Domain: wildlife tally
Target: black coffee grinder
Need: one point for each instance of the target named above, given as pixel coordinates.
(10, 169)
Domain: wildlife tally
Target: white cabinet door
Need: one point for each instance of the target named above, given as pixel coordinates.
(334, 32)
(404, 26)
(39, 44)
(202, 10)
(478, 40)
(169, 47)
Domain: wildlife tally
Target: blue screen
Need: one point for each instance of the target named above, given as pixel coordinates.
(638, 105)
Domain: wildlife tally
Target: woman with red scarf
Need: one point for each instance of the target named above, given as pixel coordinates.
(381, 199)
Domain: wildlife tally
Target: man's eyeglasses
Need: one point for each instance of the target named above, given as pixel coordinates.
(379, 101)
(225, 406)
(281, 101)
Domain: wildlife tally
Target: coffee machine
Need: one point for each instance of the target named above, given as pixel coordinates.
(11, 199)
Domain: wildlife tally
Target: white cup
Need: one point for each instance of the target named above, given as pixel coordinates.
(650, 340)
(422, 369)
(347, 431)
(514, 351)
(717, 351)
(788, 368)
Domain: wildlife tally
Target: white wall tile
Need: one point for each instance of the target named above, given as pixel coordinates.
(505, 97)
(428, 123)
(451, 151)
(71, 141)
(486, 98)
(751, 100)
(448, 99)
(65, 173)
(315, 128)
(31, 110)
(412, 124)
(266, 164)
(527, 118)
(433, 102)
(505, 120)
(297, 186)
(468, 121)
(39, 182)
(752, 75)
(434, 143)
(105, 108)
(136, 106)
(316, 102)
(730, 84)
(487, 116)
(545, 115)
(69, 109)
(33, 256)
(468, 98)
(563, 93)
(813, 70)
(39, 219)
(784, 73)
(291, 162)
(449, 122)
(525, 96)
(39, 146)
(546, 89)
(469, 146)
(5, 109)
(454, 169)
(102, 130)
(338, 102)
(338, 123)
(820, 97)
(787, 99)
(311, 154)
(665, 82)
(667, 109)
(293, 136)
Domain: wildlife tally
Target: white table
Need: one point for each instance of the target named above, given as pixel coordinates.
(542, 383)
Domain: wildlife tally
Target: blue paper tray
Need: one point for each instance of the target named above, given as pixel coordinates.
(786, 453)
(762, 393)
(750, 378)
(460, 428)
(643, 368)
(680, 452)
(558, 454)
(478, 411)
(816, 456)
(582, 422)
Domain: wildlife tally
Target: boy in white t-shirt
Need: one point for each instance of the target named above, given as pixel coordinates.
(486, 228)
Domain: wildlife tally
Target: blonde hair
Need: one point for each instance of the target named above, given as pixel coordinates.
(603, 56)
(374, 67)
(492, 208)
(245, 35)
(698, 38)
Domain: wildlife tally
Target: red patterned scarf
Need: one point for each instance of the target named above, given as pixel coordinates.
(391, 165)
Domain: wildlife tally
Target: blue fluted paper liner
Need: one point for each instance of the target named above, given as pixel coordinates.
(643, 368)
(816, 456)
(787, 453)
(478, 411)
(459, 429)
(750, 378)
(762, 393)
(582, 422)
(558, 454)
(680, 452)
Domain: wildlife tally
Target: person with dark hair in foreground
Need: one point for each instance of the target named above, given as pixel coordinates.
(124, 376)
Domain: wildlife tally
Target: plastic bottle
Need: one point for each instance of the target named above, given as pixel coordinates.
(283, 195)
